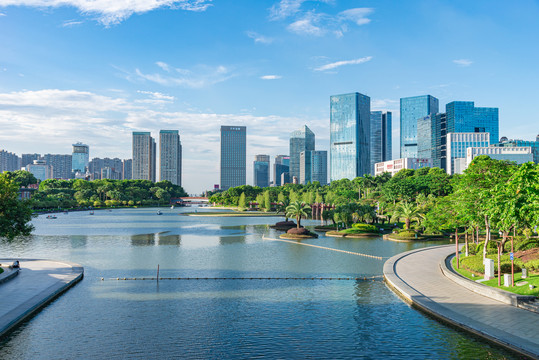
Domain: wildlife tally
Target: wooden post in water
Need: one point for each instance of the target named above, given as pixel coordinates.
(157, 272)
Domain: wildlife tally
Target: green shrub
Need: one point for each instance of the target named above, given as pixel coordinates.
(492, 248)
(532, 265)
(407, 233)
(365, 227)
(475, 263)
(527, 245)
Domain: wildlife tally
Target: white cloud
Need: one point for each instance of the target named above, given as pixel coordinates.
(71, 23)
(113, 12)
(50, 120)
(307, 26)
(271, 77)
(463, 62)
(199, 77)
(259, 38)
(337, 64)
(357, 15)
(285, 8)
(2, 14)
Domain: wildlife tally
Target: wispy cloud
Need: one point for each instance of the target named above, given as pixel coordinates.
(259, 38)
(463, 62)
(337, 64)
(156, 98)
(199, 77)
(2, 14)
(307, 20)
(113, 12)
(71, 23)
(271, 77)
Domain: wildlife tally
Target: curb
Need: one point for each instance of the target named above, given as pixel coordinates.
(8, 275)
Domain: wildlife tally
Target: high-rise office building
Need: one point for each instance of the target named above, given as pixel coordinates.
(464, 117)
(350, 131)
(233, 156)
(27, 159)
(302, 139)
(313, 167)
(170, 156)
(457, 143)
(281, 165)
(412, 109)
(80, 158)
(143, 156)
(40, 170)
(380, 139)
(127, 169)
(61, 165)
(261, 168)
(9, 161)
(426, 137)
(97, 164)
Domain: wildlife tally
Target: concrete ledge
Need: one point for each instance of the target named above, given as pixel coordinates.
(39, 283)
(8, 274)
(500, 295)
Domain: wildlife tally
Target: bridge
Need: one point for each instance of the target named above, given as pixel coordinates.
(190, 200)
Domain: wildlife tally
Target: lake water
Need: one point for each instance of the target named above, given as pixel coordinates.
(220, 319)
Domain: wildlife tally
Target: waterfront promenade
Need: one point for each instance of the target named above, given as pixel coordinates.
(416, 276)
(38, 283)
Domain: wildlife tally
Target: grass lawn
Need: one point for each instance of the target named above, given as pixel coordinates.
(521, 290)
(232, 214)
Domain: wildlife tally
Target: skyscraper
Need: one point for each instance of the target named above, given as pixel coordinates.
(170, 156)
(457, 143)
(281, 165)
(27, 159)
(463, 116)
(233, 156)
(9, 161)
(300, 140)
(127, 169)
(80, 158)
(261, 167)
(350, 131)
(313, 167)
(143, 156)
(60, 164)
(412, 109)
(380, 139)
(97, 164)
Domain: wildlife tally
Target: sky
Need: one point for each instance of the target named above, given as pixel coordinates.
(96, 70)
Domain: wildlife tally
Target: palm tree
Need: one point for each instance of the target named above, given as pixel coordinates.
(408, 211)
(297, 210)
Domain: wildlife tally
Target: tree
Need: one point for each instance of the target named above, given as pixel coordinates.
(408, 211)
(22, 177)
(267, 201)
(15, 214)
(297, 210)
(242, 204)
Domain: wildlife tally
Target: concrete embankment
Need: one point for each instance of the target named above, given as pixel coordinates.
(417, 277)
(37, 283)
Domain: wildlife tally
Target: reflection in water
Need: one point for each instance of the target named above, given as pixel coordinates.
(226, 240)
(143, 240)
(169, 239)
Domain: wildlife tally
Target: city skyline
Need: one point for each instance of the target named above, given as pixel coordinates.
(70, 73)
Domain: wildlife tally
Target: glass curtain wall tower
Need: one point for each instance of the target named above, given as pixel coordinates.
(143, 166)
(170, 156)
(261, 167)
(412, 109)
(350, 132)
(380, 140)
(233, 156)
(300, 140)
(464, 117)
(80, 158)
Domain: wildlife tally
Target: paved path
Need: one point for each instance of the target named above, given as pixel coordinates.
(38, 282)
(416, 275)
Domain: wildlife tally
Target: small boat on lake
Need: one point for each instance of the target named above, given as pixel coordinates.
(159, 212)
(51, 217)
(91, 212)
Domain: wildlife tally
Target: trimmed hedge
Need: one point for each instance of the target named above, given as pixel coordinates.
(475, 263)
(368, 228)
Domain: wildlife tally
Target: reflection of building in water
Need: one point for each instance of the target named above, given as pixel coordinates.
(163, 239)
(78, 241)
(227, 240)
(143, 240)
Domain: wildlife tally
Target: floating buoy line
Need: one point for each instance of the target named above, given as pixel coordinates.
(362, 278)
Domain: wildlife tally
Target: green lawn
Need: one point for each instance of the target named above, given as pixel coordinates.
(521, 290)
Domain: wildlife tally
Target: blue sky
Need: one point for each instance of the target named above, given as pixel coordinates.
(94, 71)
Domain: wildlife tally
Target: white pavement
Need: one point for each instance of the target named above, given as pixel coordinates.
(416, 275)
(38, 282)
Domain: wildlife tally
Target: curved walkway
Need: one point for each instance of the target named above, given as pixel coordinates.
(38, 283)
(416, 276)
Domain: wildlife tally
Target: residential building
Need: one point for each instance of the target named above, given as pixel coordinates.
(110, 173)
(302, 139)
(233, 156)
(9, 161)
(313, 167)
(127, 169)
(144, 156)
(457, 143)
(412, 109)
(261, 167)
(517, 154)
(394, 166)
(350, 132)
(98, 164)
(40, 169)
(281, 165)
(380, 139)
(27, 159)
(80, 158)
(61, 165)
(170, 156)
